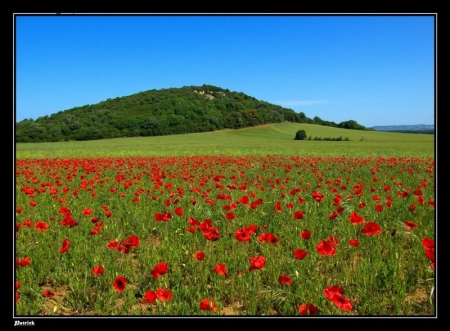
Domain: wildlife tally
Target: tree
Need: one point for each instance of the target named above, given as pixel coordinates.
(300, 135)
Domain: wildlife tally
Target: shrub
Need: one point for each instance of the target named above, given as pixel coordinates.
(300, 135)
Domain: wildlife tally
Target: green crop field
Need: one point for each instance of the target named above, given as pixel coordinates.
(268, 139)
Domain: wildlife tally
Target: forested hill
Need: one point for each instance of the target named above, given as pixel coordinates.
(162, 112)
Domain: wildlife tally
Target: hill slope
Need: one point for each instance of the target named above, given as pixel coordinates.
(188, 109)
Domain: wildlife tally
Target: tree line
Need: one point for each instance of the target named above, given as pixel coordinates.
(170, 111)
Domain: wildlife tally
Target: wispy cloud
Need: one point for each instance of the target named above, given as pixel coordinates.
(301, 102)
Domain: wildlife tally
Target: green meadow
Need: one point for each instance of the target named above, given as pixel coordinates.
(273, 139)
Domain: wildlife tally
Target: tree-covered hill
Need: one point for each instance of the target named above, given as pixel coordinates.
(162, 112)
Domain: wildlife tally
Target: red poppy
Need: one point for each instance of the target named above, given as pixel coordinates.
(410, 225)
(17, 226)
(108, 213)
(23, 262)
(300, 254)
(98, 270)
(211, 234)
(284, 280)
(48, 293)
(133, 241)
(149, 297)
(18, 209)
(206, 304)
(242, 235)
(334, 294)
(120, 283)
(318, 196)
(379, 208)
(306, 234)
(308, 309)
(267, 237)
(33, 203)
(159, 269)
(278, 206)
(179, 211)
(220, 269)
(164, 217)
(164, 295)
(257, 263)
(371, 228)
(412, 207)
(355, 218)
(230, 215)
(87, 211)
(64, 246)
(298, 215)
(325, 247)
(333, 215)
(27, 223)
(199, 255)
(353, 242)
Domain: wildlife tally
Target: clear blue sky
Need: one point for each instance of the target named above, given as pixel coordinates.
(376, 70)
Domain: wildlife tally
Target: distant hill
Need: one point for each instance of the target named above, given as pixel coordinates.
(170, 111)
(416, 127)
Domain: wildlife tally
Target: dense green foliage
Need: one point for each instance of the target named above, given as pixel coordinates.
(170, 111)
(300, 135)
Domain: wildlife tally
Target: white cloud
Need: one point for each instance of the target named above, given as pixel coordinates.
(301, 103)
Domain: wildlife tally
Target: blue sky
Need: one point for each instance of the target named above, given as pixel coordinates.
(376, 70)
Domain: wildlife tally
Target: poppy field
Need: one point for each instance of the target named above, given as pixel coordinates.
(275, 235)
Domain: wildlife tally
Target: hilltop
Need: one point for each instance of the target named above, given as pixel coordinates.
(188, 109)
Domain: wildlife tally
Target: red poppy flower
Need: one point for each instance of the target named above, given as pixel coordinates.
(300, 254)
(18, 209)
(17, 226)
(230, 215)
(27, 223)
(120, 283)
(133, 241)
(355, 218)
(342, 302)
(199, 255)
(108, 213)
(306, 234)
(284, 280)
(334, 294)
(318, 196)
(164, 217)
(220, 269)
(87, 212)
(179, 211)
(48, 293)
(163, 295)
(298, 215)
(113, 244)
(206, 304)
(23, 262)
(257, 263)
(278, 206)
(379, 208)
(353, 242)
(98, 270)
(242, 235)
(211, 234)
(64, 246)
(149, 297)
(333, 215)
(410, 225)
(371, 228)
(325, 247)
(33, 203)
(159, 269)
(308, 309)
(267, 237)
(412, 207)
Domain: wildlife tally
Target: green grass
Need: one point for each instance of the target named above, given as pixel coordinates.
(273, 139)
